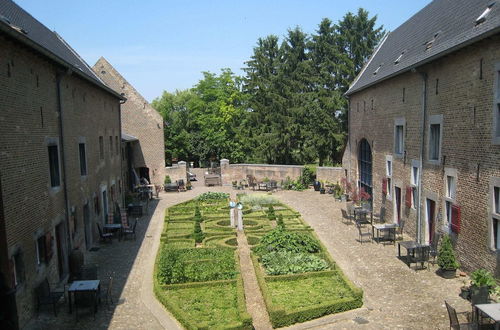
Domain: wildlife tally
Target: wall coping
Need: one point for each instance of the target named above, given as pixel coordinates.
(329, 168)
(268, 165)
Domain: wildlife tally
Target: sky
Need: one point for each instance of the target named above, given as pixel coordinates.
(165, 45)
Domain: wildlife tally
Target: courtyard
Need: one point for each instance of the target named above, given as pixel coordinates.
(395, 296)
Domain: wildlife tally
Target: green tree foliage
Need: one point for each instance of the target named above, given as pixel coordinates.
(288, 109)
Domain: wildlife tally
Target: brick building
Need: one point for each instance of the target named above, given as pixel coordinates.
(424, 127)
(142, 129)
(60, 164)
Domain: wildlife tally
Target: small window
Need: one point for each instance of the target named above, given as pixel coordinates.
(398, 140)
(101, 147)
(40, 250)
(17, 268)
(83, 159)
(110, 146)
(389, 187)
(496, 238)
(481, 18)
(117, 146)
(55, 175)
(496, 200)
(414, 175)
(434, 141)
(496, 107)
(497, 128)
(414, 196)
(450, 187)
(447, 206)
(389, 168)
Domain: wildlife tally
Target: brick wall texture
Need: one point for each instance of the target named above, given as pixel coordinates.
(29, 121)
(460, 87)
(139, 119)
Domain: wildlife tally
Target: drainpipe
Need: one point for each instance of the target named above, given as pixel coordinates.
(421, 155)
(59, 76)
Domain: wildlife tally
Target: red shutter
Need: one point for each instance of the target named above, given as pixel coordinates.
(455, 219)
(408, 196)
(384, 186)
(48, 246)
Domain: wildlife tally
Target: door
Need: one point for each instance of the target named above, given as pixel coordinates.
(105, 206)
(430, 214)
(397, 204)
(87, 226)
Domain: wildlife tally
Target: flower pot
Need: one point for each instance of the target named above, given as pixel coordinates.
(465, 292)
(316, 185)
(322, 191)
(448, 273)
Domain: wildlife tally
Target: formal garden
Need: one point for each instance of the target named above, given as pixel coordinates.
(197, 273)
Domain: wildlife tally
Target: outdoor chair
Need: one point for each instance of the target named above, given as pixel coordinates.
(421, 256)
(181, 185)
(128, 231)
(363, 231)
(105, 293)
(104, 236)
(380, 216)
(346, 216)
(88, 272)
(272, 185)
(400, 229)
(44, 296)
(453, 316)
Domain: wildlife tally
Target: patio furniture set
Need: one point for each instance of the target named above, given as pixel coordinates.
(483, 316)
(85, 290)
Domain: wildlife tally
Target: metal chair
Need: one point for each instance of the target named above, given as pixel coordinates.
(105, 293)
(363, 231)
(44, 296)
(380, 216)
(401, 228)
(346, 216)
(454, 323)
(104, 236)
(434, 247)
(127, 231)
(421, 256)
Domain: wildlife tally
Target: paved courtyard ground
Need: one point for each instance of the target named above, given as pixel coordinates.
(394, 295)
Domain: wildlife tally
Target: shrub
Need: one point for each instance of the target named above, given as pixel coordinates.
(167, 179)
(270, 213)
(280, 239)
(308, 175)
(252, 240)
(198, 233)
(212, 196)
(446, 258)
(279, 221)
(482, 277)
(286, 262)
(254, 200)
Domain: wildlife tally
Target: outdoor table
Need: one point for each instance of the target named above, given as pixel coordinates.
(389, 227)
(114, 227)
(410, 247)
(492, 311)
(359, 211)
(84, 286)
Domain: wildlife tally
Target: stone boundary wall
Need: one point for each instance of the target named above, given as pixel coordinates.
(330, 174)
(177, 171)
(237, 172)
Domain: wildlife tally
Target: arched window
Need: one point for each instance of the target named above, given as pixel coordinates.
(365, 166)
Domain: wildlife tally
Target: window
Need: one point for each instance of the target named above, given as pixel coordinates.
(388, 172)
(481, 18)
(117, 146)
(434, 139)
(414, 181)
(450, 187)
(434, 142)
(55, 175)
(414, 175)
(17, 268)
(40, 250)
(110, 146)
(83, 159)
(447, 206)
(101, 147)
(496, 200)
(414, 196)
(399, 136)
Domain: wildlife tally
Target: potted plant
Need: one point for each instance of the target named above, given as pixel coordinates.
(465, 290)
(482, 282)
(446, 258)
(322, 188)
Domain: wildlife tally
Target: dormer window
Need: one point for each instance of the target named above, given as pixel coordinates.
(484, 15)
(428, 45)
(376, 71)
(399, 58)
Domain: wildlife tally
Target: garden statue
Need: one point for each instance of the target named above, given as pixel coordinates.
(232, 210)
(239, 208)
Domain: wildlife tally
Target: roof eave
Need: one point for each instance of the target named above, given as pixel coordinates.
(30, 43)
(428, 60)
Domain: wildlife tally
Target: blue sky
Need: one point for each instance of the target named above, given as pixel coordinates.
(165, 45)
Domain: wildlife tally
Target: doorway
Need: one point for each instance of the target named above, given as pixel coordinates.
(397, 205)
(87, 226)
(430, 219)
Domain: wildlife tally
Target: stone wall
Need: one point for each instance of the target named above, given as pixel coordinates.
(330, 174)
(177, 171)
(460, 88)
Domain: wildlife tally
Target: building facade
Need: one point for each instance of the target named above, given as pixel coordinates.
(424, 128)
(60, 163)
(142, 126)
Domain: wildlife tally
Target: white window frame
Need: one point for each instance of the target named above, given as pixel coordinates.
(494, 214)
(449, 199)
(435, 120)
(415, 164)
(495, 132)
(399, 122)
(389, 172)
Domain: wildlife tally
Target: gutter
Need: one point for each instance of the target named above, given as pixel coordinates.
(59, 77)
(7, 29)
(421, 155)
